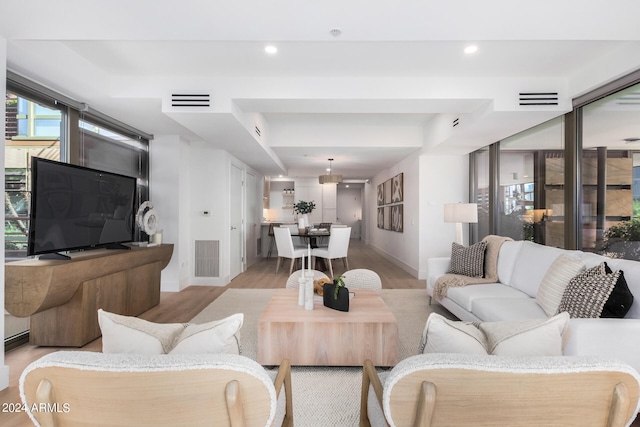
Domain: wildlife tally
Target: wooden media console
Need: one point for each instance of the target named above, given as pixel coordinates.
(63, 297)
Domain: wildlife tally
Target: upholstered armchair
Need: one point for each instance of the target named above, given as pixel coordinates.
(446, 389)
(78, 388)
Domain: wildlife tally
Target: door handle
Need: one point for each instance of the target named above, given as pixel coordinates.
(233, 228)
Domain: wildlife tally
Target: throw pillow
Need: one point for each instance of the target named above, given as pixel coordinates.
(127, 334)
(468, 261)
(620, 300)
(554, 282)
(586, 294)
(442, 335)
(535, 337)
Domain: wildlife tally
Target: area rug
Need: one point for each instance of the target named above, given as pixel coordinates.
(324, 396)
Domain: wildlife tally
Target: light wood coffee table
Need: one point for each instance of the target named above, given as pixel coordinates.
(326, 337)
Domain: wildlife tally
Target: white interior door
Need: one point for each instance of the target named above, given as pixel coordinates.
(350, 209)
(236, 212)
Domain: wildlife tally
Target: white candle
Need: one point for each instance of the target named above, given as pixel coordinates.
(309, 249)
(302, 266)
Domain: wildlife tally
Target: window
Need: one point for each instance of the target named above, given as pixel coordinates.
(32, 130)
(610, 177)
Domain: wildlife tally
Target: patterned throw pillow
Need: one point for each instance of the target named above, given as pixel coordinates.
(468, 261)
(587, 293)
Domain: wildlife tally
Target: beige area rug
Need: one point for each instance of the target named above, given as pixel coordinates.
(324, 396)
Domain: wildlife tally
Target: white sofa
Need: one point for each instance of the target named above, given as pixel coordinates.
(521, 268)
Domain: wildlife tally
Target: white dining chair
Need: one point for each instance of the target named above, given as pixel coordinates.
(286, 248)
(338, 248)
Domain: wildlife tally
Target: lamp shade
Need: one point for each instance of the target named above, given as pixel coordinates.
(461, 212)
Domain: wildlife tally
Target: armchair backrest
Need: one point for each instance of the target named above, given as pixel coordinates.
(455, 390)
(146, 390)
(284, 244)
(362, 278)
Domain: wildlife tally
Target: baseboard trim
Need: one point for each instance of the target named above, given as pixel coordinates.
(396, 261)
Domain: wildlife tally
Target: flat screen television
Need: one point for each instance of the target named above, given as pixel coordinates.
(74, 207)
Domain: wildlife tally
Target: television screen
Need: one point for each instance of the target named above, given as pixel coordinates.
(74, 207)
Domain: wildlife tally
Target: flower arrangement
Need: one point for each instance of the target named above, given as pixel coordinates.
(339, 282)
(303, 207)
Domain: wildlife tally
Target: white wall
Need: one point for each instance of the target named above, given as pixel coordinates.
(4, 370)
(209, 191)
(401, 247)
(168, 192)
(443, 179)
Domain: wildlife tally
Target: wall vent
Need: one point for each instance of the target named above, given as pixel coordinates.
(191, 100)
(258, 131)
(456, 122)
(207, 258)
(538, 98)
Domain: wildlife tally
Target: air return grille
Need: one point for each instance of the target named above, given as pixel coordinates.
(538, 98)
(456, 122)
(191, 100)
(207, 258)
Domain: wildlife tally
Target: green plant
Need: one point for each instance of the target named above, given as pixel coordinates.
(303, 207)
(627, 230)
(339, 283)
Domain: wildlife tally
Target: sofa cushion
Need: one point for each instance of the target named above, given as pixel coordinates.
(465, 295)
(533, 262)
(468, 261)
(128, 334)
(499, 309)
(587, 293)
(506, 260)
(555, 280)
(620, 300)
(537, 337)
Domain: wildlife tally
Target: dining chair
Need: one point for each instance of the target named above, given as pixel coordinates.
(338, 248)
(286, 248)
(272, 239)
(362, 278)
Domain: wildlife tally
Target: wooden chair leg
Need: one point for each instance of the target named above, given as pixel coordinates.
(619, 406)
(426, 404)
(330, 268)
(291, 266)
(234, 404)
(278, 264)
(345, 261)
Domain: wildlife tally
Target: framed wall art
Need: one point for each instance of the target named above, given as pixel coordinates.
(380, 194)
(387, 192)
(381, 218)
(387, 217)
(396, 218)
(397, 188)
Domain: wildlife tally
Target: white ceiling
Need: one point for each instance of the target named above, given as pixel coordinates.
(369, 98)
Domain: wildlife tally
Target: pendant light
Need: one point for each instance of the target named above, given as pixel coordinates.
(330, 178)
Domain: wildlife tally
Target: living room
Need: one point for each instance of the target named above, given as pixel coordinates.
(391, 92)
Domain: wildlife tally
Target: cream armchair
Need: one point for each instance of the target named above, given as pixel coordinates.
(79, 388)
(479, 390)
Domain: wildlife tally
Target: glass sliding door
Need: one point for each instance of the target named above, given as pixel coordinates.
(531, 185)
(610, 177)
(481, 192)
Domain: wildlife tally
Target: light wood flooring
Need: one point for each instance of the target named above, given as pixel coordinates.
(183, 306)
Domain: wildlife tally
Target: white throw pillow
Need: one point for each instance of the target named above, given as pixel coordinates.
(442, 335)
(536, 337)
(555, 281)
(127, 334)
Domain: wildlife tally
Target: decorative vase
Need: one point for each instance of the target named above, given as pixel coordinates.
(303, 221)
(340, 304)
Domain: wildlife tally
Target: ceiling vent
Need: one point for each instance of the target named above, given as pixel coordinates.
(538, 98)
(191, 100)
(456, 122)
(258, 131)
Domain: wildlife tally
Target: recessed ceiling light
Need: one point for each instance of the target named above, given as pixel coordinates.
(471, 49)
(335, 32)
(271, 49)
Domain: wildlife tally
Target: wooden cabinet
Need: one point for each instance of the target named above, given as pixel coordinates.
(63, 297)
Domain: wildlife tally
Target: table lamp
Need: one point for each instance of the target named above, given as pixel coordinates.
(458, 213)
